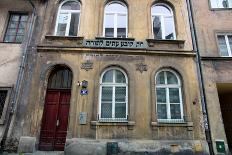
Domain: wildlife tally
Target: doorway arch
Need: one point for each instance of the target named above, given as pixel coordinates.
(56, 110)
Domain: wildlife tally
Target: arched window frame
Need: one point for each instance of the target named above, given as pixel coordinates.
(162, 20)
(167, 86)
(116, 14)
(69, 12)
(113, 119)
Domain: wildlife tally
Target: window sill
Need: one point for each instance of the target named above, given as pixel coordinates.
(10, 43)
(165, 44)
(221, 9)
(188, 125)
(130, 124)
(63, 41)
(110, 38)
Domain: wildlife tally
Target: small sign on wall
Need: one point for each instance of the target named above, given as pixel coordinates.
(83, 118)
(84, 91)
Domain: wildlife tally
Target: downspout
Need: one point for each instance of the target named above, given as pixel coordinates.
(200, 77)
(15, 97)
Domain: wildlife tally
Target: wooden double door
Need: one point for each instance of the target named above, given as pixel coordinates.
(55, 120)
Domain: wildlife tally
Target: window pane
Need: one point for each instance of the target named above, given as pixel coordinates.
(157, 28)
(169, 27)
(120, 110)
(106, 110)
(11, 32)
(160, 78)
(20, 32)
(74, 24)
(13, 24)
(121, 26)
(116, 7)
(14, 18)
(162, 111)
(22, 25)
(224, 3)
(160, 9)
(121, 32)
(19, 38)
(3, 95)
(230, 42)
(175, 111)
(9, 38)
(61, 29)
(171, 78)
(109, 25)
(174, 95)
(71, 6)
(107, 94)
(222, 45)
(24, 18)
(120, 94)
(108, 76)
(161, 95)
(120, 78)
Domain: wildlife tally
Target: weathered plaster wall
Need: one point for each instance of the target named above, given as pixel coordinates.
(208, 23)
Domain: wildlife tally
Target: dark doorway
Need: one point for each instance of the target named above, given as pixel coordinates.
(225, 98)
(56, 111)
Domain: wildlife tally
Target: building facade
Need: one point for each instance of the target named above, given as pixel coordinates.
(15, 24)
(110, 71)
(215, 42)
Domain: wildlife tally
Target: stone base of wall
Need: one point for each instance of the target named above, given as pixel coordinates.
(135, 147)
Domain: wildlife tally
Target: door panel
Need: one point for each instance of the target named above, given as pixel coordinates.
(61, 130)
(55, 120)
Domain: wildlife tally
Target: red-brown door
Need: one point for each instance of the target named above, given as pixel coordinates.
(55, 120)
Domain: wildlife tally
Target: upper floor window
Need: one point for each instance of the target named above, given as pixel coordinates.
(113, 96)
(16, 28)
(169, 104)
(163, 22)
(68, 18)
(221, 3)
(225, 44)
(115, 20)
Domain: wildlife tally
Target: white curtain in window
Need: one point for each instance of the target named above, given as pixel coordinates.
(68, 19)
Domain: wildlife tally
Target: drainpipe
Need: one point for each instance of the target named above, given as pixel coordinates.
(20, 76)
(200, 77)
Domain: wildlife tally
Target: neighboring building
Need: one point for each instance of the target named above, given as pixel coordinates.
(214, 33)
(110, 71)
(15, 17)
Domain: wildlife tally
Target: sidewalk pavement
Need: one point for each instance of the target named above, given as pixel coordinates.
(37, 153)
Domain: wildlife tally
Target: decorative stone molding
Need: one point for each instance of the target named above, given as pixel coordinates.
(188, 125)
(141, 67)
(165, 44)
(130, 124)
(88, 65)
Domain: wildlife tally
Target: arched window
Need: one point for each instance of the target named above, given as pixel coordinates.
(113, 96)
(169, 105)
(115, 20)
(67, 23)
(163, 22)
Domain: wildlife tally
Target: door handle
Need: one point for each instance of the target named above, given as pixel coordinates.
(57, 122)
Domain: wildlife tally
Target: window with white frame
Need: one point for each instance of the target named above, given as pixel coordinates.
(221, 3)
(113, 98)
(163, 26)
(115, 20)
(68, 18)
(225, 44)
(169, 105)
